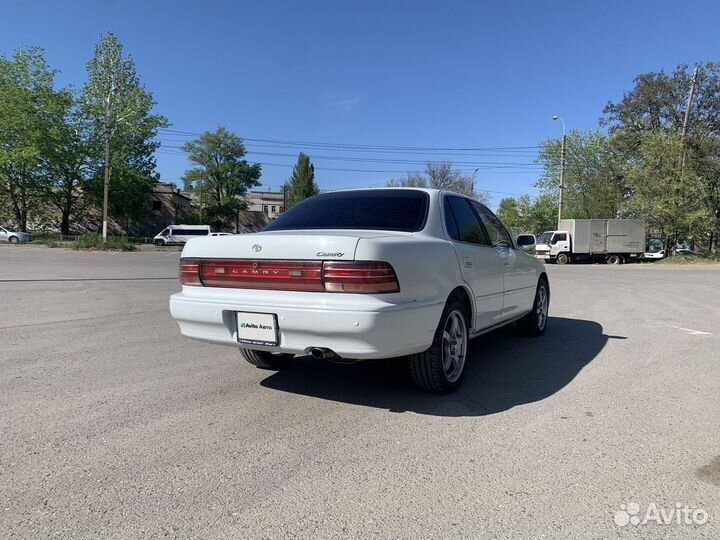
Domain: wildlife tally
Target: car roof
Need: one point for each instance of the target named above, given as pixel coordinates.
(431, 191)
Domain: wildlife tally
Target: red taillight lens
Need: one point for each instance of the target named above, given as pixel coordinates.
(190, 272)
(360, 277)
(277, 275)
(307, 276)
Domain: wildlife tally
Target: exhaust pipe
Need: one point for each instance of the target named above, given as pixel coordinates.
(322, 353)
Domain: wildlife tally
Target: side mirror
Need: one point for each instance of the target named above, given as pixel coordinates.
(525, 241)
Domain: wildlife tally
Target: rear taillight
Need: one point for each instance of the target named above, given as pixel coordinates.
(190, 272)
(307, 276)
(360, 277)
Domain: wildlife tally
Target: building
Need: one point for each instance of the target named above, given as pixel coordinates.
(270, 203)
(166, 202)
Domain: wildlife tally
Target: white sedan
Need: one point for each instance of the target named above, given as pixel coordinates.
(361, 274)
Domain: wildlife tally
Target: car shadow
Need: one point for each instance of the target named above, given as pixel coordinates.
(504, 370)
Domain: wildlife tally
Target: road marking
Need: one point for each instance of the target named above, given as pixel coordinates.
(691, 331)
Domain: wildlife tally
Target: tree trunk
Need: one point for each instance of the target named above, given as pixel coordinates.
(65, 223)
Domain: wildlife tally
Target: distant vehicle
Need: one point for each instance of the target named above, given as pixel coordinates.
(179, 234)
(685, 251)
(220, 234)
(7, 235)
(613, 241)
(365, 274)
(653, 255)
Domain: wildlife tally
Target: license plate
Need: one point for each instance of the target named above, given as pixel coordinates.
(257, 328)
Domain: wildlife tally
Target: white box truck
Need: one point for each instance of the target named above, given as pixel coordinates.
(613, 241)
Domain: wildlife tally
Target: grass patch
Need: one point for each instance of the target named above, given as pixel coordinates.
(701, 258)
(95, 242)
(49, 242)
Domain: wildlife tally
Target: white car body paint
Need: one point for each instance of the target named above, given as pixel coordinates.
(500, 281)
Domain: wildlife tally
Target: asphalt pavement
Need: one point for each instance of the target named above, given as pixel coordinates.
(115, 426)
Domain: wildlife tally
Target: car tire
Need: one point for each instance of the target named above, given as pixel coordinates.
(159, 243)
(614, 259)
(562, 258)
(441, 368)
(13, 240)
(535, 322)
(266, 360)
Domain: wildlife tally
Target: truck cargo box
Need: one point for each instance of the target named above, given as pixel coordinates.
(603, 236)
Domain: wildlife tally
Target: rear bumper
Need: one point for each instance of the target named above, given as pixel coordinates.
(353, 326)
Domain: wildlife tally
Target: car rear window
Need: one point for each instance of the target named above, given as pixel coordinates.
(387, 210)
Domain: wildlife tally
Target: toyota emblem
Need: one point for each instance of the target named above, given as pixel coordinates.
(257, 247)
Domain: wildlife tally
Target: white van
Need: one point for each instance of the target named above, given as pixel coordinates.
(179, 234)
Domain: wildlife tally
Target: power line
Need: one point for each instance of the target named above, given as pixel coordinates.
(481, 164)
(357, 146)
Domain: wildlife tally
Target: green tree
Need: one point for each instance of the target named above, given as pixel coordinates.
(656, 105)
(66, 151)
(221, 177)
(509, 213)
(542, 215)
(28, 108)
(122, 129)
(302, 182)
(668, 198)
(594, 175)
(523, 215)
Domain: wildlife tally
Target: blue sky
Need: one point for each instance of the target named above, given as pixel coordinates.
(424, 74)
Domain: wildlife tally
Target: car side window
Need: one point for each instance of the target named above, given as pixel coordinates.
(467, 227)
(559, 237)
(450, 223)
(494, 227)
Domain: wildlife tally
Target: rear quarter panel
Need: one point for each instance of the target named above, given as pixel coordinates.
(427, 268)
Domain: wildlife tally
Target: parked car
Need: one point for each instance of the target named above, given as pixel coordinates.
(7, 235)
(654, 255)
(180, 234)
(363, 274)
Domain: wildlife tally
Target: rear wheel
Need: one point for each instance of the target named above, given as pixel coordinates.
(441, 368)
(13, 239)
(534, 323)
(562, 258)
(614, 259)
(265, 359)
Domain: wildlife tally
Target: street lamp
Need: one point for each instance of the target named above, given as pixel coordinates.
(472, 180)
(562, 169)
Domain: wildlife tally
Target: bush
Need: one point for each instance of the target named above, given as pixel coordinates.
(698, 258)
(95, 242)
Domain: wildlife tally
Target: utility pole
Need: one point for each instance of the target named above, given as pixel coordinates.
(562, 169)
(670, 250)
(200, 196)
(285, 197)
(686, 120)
(106, 181)
(562, 178)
